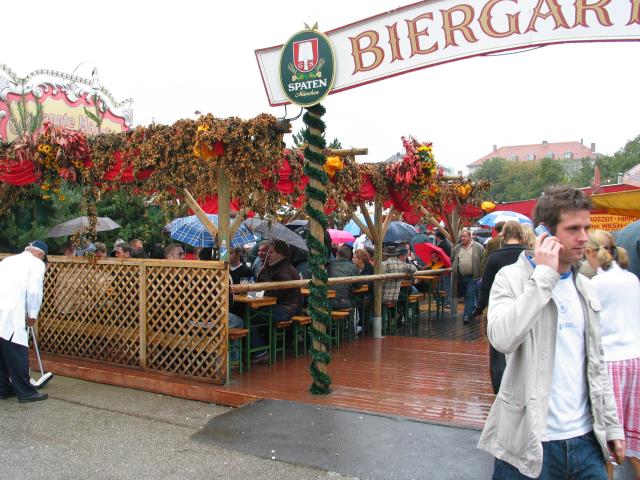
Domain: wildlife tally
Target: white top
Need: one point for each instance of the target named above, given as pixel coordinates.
(21, 290)
(569, 414)
(619, 293)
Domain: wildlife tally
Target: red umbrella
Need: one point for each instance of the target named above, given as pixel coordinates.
(340, 236)
(424, 251)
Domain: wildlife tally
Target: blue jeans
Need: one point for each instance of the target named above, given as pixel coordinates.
(468, 287)
(235, 321)
(578, 458)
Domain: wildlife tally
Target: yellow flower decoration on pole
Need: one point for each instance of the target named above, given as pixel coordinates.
(333, 165)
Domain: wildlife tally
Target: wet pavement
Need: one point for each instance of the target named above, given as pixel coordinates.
(94, 431)
(351, 443)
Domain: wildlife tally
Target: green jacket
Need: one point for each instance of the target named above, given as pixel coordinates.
(477, 253)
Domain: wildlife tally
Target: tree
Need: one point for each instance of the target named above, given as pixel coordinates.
(298, 140)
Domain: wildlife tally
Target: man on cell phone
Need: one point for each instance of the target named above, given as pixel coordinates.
(554, 416)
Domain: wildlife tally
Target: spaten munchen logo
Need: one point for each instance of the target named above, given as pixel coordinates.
(307, 67)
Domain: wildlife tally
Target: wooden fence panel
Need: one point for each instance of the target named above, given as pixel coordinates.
(169, 316)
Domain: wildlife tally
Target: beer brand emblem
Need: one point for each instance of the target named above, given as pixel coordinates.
(305, 55)
(307, 67)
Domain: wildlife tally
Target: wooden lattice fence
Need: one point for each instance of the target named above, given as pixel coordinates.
(163, 315)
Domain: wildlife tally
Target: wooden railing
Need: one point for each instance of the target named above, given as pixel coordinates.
(163, 315)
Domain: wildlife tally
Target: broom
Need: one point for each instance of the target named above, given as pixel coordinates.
(44, 377)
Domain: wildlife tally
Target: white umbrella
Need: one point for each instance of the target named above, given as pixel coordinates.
(80, 225)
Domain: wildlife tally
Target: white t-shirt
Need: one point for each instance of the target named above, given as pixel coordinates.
(619, 293)
(569, 414)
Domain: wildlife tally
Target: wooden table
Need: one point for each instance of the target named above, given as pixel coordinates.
(433, 284)
(361, 289)
(306, 292)
(252, 312)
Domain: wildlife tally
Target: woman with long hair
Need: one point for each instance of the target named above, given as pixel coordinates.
(619, 293)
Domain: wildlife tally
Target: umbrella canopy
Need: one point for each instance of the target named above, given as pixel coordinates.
(79, 225)
(497, 216)
(352, 226)
(424, 251)
(399, 232)
(340, 236)
(191, 231)
(277, 231)
(629, 239)
(296, 224)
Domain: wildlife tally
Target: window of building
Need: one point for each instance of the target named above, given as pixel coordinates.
(531, 156)
(513, 157)
(568, 155)
(549, 155)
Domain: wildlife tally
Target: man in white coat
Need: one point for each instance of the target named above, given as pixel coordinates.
(21, 292)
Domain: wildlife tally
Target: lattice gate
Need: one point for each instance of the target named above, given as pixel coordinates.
(162, 315)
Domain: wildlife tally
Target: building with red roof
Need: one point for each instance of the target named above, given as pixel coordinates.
(570, 153)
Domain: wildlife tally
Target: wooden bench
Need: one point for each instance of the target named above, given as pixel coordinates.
(300, 322)
(236, 334)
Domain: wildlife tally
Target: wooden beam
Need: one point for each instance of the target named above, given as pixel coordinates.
(358, 222)
(348, 152)
(433, 221)
(237, 222)
(197, 210)
(224, 238)
(370, 223)
(387, 221)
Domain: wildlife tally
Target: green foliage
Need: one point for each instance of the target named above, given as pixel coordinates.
(620, 162)
(32, 217)
(22, 120)
(137, 218)
(99, 114)
(511, 181)
(299, 141)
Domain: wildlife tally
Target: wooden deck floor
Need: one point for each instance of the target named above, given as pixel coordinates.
(441, 375)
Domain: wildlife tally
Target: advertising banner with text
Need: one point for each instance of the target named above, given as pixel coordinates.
(433, 32)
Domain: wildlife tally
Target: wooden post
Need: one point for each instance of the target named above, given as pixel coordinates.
(142, 299)
(223, 214)
(377, 265)
(197, 210)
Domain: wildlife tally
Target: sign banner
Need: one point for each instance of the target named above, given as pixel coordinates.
(611, 223)
(307, 68)
(433, 32)
(65, 100)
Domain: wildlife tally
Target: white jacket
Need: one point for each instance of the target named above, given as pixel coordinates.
(21, 291)
(522, 322)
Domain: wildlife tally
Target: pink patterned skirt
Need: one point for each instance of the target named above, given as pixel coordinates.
(625, 381)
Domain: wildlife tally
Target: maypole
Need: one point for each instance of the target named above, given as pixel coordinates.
(314, 160)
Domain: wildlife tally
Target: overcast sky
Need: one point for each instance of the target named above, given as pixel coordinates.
(176, 57)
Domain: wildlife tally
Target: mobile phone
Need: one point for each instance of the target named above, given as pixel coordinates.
(540, 229)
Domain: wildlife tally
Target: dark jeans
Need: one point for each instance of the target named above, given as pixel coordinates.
(14, 365)
(259, 335)
(468, 287)
(576, 458)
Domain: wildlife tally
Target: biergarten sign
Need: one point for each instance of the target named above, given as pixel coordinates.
(66, 100)
(434, 32)
(307, 68)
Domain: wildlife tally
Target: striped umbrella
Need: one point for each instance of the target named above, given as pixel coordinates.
(497, 216)
(191, 231)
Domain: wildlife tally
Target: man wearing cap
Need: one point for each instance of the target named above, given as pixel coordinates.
(21, 292)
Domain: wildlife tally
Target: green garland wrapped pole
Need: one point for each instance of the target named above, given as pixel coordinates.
(314, 160)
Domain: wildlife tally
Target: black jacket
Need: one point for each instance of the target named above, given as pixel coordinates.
(506, 255)
(289, 298)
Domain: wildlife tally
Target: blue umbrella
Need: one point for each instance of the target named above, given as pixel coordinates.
(352, 227)
(399, 232)
(191, 231)
(497, 216)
